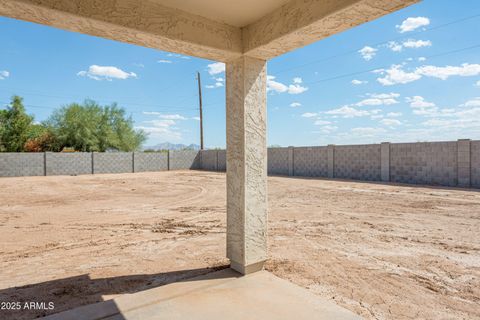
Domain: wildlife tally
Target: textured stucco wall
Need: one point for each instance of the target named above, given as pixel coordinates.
(185, 159)
(424, 163)
(310, 161)
(22, 164)
(301, 22)
(115, 162)
(475, 163)
(361, 162)
(144, 23)
(68, 163)
(150, 161)
(246, 163)
(278, 161)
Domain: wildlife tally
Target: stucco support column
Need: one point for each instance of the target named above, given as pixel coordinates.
(246, 164)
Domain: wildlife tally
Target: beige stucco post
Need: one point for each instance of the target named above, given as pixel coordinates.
(246, 164)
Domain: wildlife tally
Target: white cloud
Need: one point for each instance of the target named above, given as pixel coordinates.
(296, 88)
(295, 104)
(217, 84)
(410, 44)
(320, 122)
(161, 123)
(358, 82)
(367, 131)
(328, 129)
(475, 102)
(416, 43)
(275, 85)
(395, 46)
(413, 23)
(164, 61)
(419, 102)
(379, 99)
(390, 122)
(376, 116)
(368, 53)
(465, 70)
(177, 55)
(477, 83)
(172, 117)
(456, 120)
(349, 112)
(196, 118)
(396, 75)
(164, 116)
(422, 107)
(4, 74)
(421, 59)
(309, 114)
(106, 73)
(216, 68)
(394, 114)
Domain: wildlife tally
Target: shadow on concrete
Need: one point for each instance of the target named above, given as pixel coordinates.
(73, 292)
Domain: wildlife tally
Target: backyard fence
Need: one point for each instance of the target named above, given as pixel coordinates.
(76, 163)
(452, 163)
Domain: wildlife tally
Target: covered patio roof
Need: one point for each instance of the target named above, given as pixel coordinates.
(219, 30)
(243, 33)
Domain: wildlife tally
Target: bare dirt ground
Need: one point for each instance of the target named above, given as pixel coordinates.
(382, 251)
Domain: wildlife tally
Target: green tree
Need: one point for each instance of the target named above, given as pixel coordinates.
(15, 124)
(40, 138)
(91, 127)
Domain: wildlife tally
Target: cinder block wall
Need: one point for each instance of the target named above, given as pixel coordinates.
(77, 163)
(361, 162)
(150, 161)
(475, 163)
(112, 162)
(22, 164)
(184, 159)
(310, 161)
(451, 163)
(278, 161)
(424, 163)
(222, 160)
(209, 160)
(68, 163)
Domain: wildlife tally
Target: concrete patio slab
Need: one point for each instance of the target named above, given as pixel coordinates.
(223, 294)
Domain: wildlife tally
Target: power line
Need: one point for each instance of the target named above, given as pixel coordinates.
(379, 43)
(107, 101)
(130, 111)
(383, 67)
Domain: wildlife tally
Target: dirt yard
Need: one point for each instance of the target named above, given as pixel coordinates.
(382, 251)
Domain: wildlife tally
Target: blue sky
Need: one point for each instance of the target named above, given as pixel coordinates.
(413, 75)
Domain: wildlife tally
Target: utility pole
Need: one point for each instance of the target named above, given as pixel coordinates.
(200, 107)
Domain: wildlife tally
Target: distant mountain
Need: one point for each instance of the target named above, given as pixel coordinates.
(172, 146)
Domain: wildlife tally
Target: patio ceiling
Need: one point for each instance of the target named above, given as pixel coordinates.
(220, 30)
